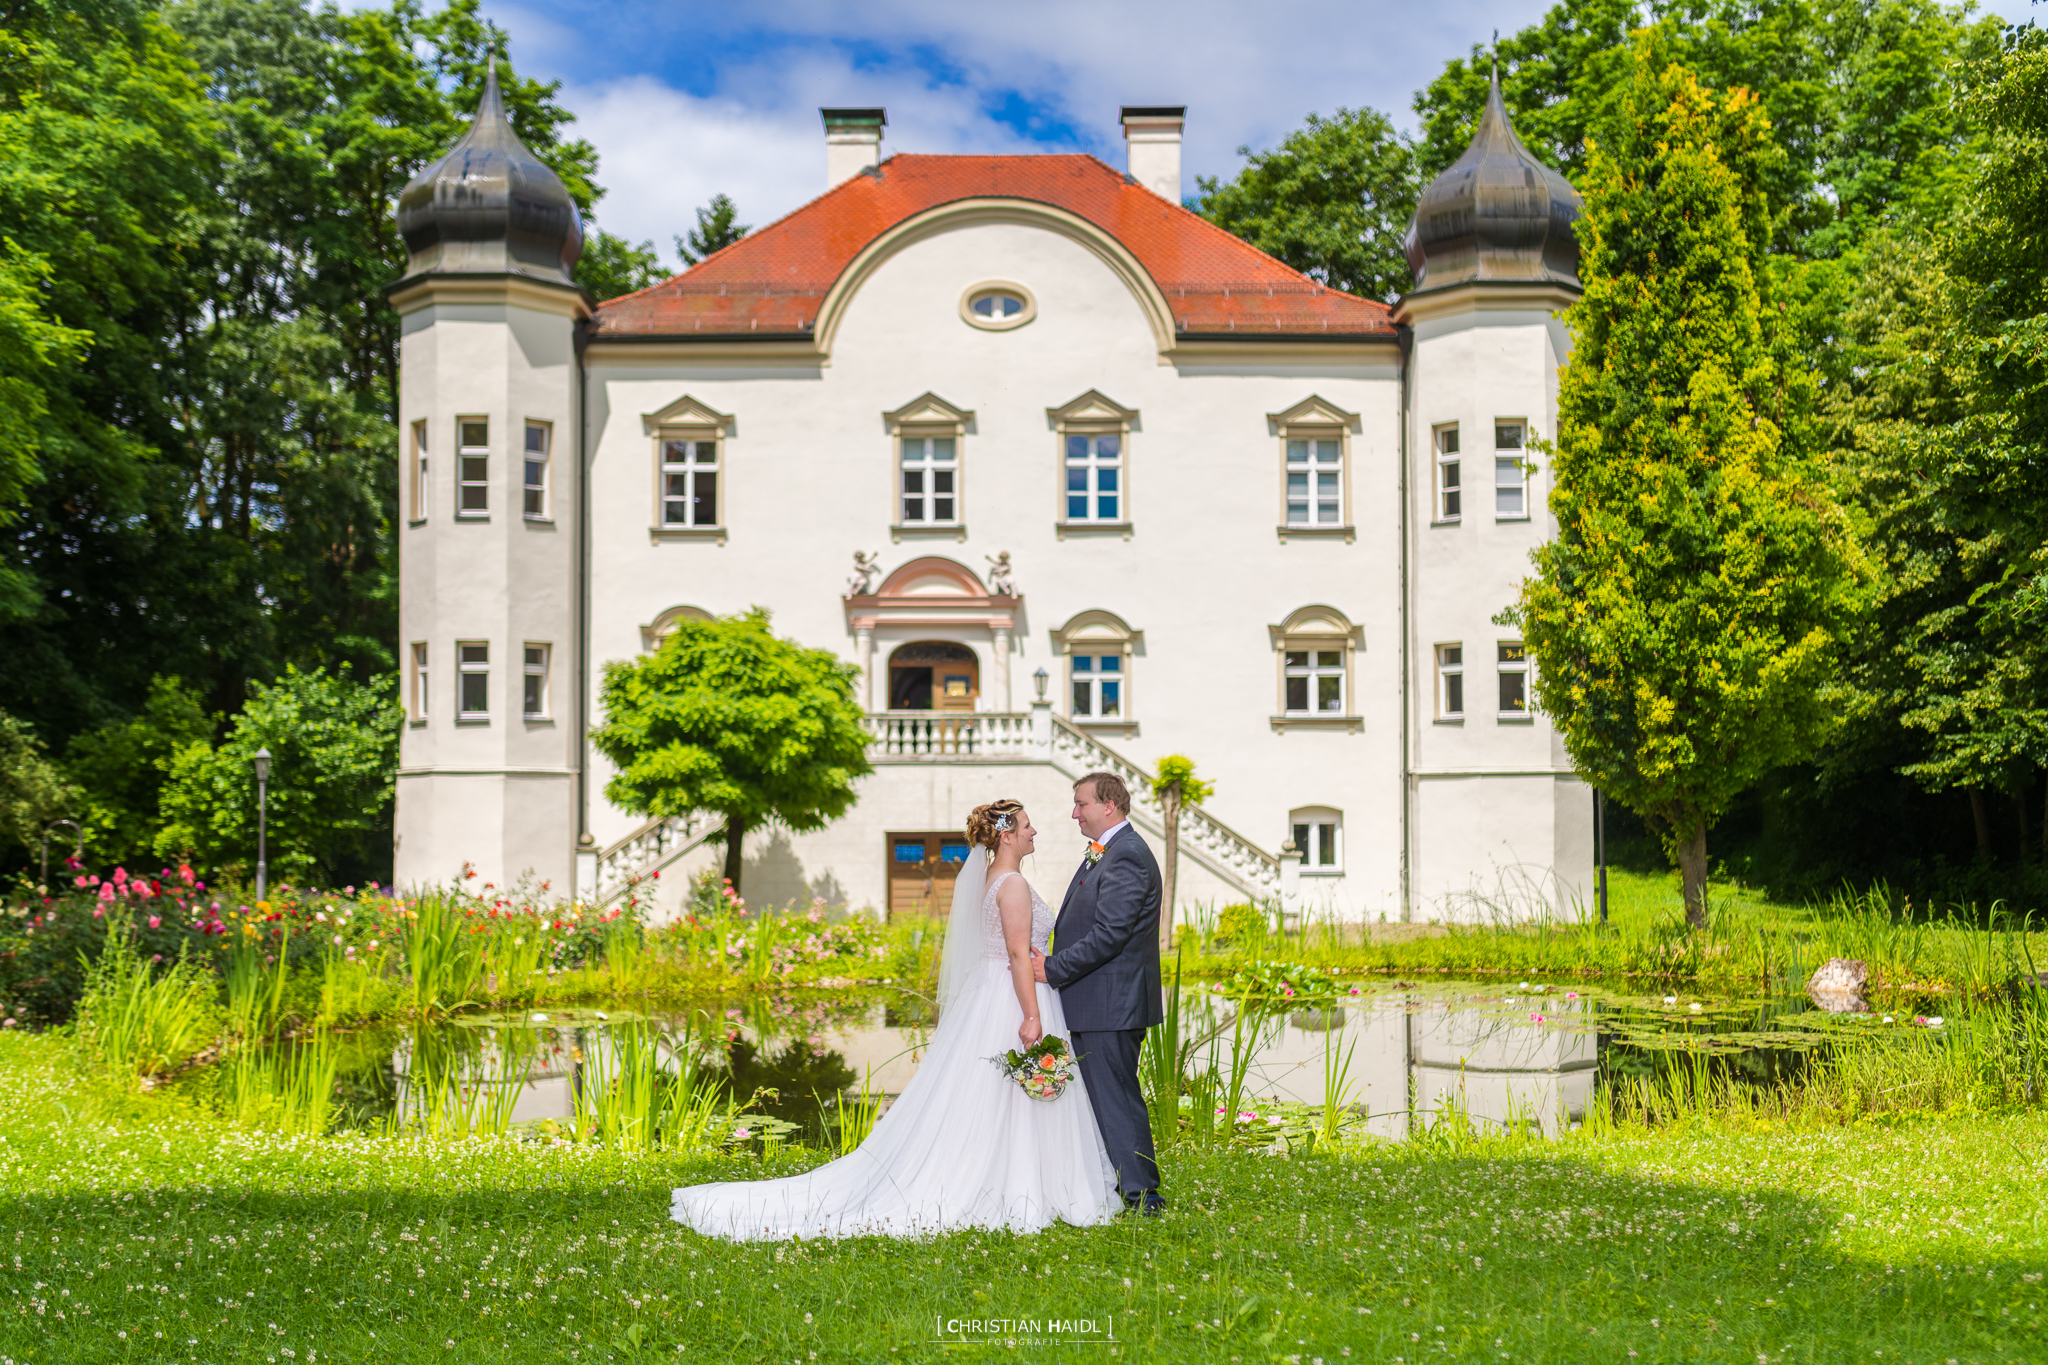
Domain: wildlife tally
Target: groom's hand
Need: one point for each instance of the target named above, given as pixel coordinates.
(1038, 966)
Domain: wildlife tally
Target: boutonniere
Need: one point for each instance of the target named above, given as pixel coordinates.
(1094, 854)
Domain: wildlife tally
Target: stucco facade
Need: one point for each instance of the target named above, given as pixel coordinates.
(1262, 572)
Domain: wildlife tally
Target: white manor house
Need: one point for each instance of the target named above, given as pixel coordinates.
(1076, 479)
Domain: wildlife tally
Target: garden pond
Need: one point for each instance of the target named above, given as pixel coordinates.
(1397, 1056)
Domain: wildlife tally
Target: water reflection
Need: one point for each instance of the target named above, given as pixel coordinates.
(1498, 1056)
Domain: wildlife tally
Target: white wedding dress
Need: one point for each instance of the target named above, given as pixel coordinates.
(963, 1146)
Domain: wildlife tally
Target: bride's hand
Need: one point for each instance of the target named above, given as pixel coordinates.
(1030, 1032)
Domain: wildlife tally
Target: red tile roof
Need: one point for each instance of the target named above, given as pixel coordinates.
(772, 282)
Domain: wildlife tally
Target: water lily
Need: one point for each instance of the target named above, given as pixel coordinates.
(1934, 1021)
(1571, 995)
(1694, 1007)
(1670, 999)
(538, 1019)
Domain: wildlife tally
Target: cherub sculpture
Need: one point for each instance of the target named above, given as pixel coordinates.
(1000, 583)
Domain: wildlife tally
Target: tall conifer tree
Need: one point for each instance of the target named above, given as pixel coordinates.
(1686, 618)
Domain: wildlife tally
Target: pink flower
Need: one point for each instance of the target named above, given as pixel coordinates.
(1536, 1019)
(155, 920)
(120, 875)
(82, 881)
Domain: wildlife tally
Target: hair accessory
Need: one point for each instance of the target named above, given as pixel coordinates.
(1002, 823)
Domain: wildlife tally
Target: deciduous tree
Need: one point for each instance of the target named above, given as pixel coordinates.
(728, 717)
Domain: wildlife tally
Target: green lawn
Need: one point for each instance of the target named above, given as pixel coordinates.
(143, 1230)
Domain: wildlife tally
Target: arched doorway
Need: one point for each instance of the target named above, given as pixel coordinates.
(933, 675)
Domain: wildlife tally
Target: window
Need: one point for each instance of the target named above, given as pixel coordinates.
(539, 436)
(1313, 649)
(997, 307)
(1094, 469)
(534, 699)
(1450, 682)
(417, 486)
(1447, 473)
(1098, 686)
(473, 466)
(419, 681)
(1317, 837)
(689, 482)
(930, 481)
(1314, 481)
(1514, 679)
(1315, 682)
(1510, 473)
(473, 680)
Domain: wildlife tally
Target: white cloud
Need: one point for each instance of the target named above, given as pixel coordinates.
(1248, 70)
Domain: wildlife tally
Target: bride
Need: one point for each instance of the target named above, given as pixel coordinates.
(963, 1146)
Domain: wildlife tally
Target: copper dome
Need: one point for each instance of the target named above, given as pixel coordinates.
(490, 206)
(1498, 214)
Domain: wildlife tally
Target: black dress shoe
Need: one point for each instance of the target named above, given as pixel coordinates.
(1151, 1203)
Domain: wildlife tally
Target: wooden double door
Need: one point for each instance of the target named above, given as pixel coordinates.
(922, 868)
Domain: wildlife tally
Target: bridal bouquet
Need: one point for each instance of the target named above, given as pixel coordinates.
(1044, 1069)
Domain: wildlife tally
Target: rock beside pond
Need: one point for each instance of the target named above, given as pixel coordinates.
(1837, 986)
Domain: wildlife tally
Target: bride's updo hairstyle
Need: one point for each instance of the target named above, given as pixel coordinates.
(987, 825)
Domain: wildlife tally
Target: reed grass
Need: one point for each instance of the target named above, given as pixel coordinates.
(444, 955)
(140, 1021)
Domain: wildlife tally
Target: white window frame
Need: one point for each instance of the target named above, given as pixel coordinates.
(691, 469)
(1097, 634)
(1314, 670)
(1450, 678)
(1308, 443)
(1517, 668)
(1448, 486)
(1105, 666)
(1091, 464)
(421, 683)
(1312, 631)
(419, 485)
(928, 468)
(472, 458)
(467, 668)
(1511, 468)
(537, 493)
(1318, 836)
(530, 669)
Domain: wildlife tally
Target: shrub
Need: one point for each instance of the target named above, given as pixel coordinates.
(1241, 926)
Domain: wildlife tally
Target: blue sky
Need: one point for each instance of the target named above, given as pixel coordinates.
(684, 100)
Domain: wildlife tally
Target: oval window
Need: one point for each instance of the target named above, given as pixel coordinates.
(998, 306)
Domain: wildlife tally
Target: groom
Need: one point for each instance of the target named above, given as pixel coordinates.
(1105, 965)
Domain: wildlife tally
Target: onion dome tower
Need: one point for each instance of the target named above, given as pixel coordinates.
(490, 543)
(1497, 214)
(1496, 261)
(490, 206)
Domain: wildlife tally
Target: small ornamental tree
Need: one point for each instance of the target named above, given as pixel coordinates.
(1177, 788)
(726, 717)
(1685, 619)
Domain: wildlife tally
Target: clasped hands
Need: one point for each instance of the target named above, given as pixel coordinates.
(1038, 966)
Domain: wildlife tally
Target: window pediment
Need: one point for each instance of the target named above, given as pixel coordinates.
(1314, 411)
(1101, 629)
(1092, 409)
(686, 413)
(929, 412)
(1317, 621)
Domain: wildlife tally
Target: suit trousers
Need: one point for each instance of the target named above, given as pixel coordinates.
(1109, 1068)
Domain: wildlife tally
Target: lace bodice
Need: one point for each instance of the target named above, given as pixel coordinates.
(993, 949)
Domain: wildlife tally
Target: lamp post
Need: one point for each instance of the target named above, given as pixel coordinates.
(77, 850)
(261, 762)
(1038, 680)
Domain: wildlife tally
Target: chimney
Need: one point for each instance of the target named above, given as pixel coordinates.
(853, 142)
(1152, 132)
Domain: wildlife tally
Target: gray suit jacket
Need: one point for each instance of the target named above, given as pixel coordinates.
(1105, 960)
